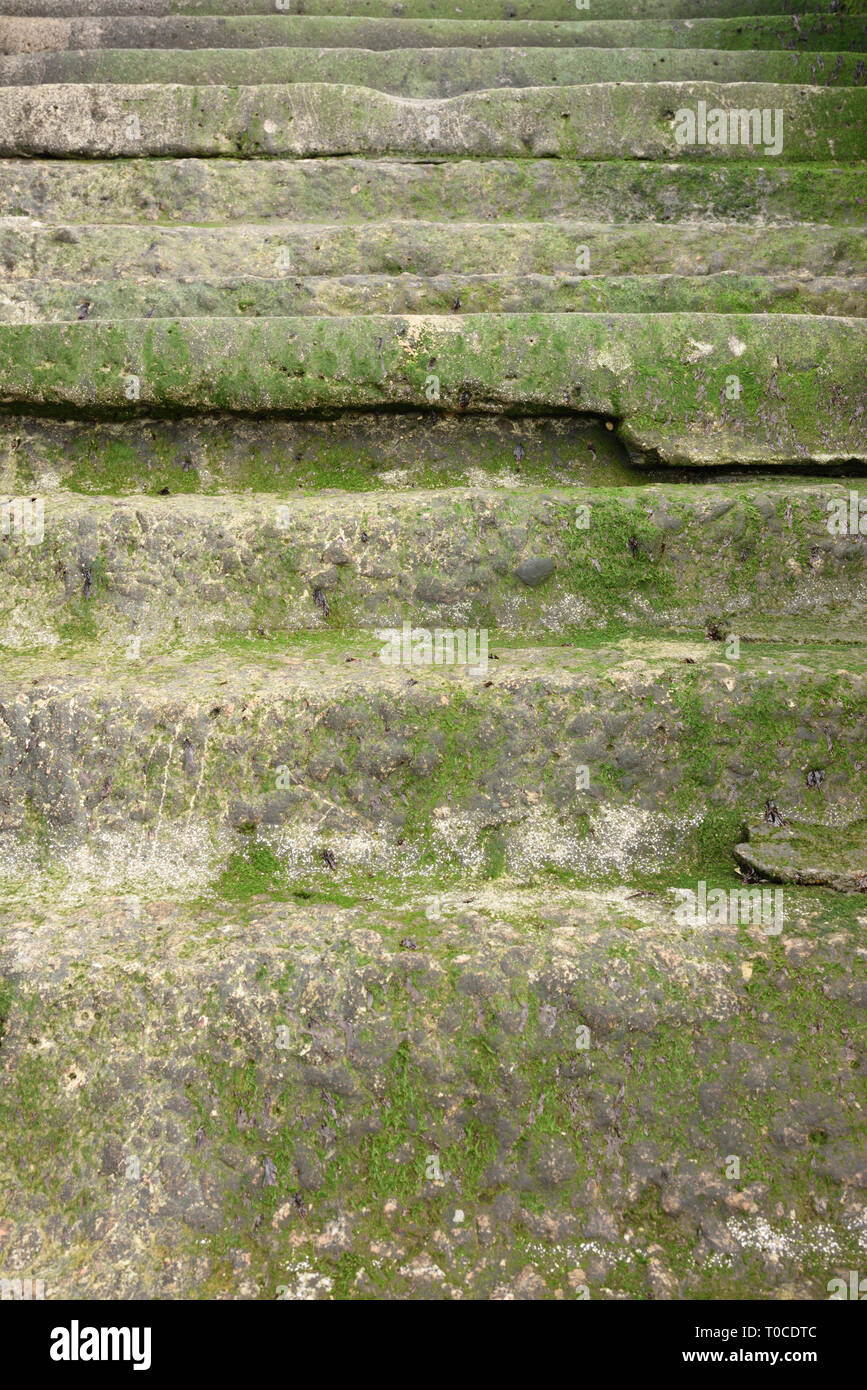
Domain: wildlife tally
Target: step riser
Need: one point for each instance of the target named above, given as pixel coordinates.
(816, 33)
(239, 565)
(350, 190)
(692, 388)
(668, 749)
(433, 73)
(596, 122)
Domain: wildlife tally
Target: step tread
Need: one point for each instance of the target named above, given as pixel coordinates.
(659, 557)
(34, 249)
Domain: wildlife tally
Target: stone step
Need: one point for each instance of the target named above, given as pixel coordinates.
(814, 32)
(785, 561)
(354, 190)
(514, 11)
(434, 72)
(471, 1092)
(23, 301)
(119, 767)
(660, 121)
(686, 388)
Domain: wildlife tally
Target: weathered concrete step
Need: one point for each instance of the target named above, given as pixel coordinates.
(72, 253)
(514, 11)
(570, 1063)
(786, 561)
(690, 388)
(816, 32)
(353, 450)
(32, 301)
(434, 72)
(352, 190)
(116, 766)
(603, 121)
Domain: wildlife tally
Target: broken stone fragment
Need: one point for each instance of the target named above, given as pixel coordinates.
(797, 852)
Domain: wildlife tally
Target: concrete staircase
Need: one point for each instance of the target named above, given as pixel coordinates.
(333, 345)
